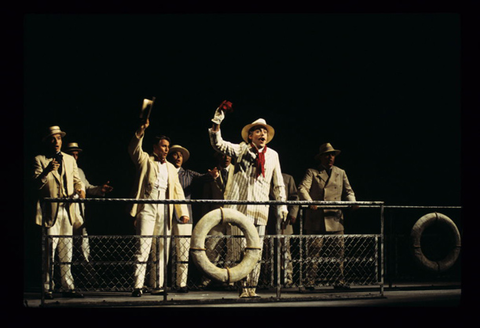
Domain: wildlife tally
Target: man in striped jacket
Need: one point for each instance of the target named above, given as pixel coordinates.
(256, 168)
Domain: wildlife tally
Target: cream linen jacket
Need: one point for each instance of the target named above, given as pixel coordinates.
(55, 185)
(147, 171)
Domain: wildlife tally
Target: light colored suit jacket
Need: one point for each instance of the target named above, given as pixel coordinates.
(56, 185)
(317, 186)
(147, 172)
(245, 184)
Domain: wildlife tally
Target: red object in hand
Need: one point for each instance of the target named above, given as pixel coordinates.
(226, 106)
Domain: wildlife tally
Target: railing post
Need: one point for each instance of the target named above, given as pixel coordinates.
(300, 245)
(165, 250)
(382, 250)
(44, 260)
(278, 250)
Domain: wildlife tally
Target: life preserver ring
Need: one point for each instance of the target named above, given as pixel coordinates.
(416, 234)
(252, 250)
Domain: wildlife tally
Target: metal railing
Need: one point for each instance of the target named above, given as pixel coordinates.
(288, 261)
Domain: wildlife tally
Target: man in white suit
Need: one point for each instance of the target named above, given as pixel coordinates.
(329, 183)
(56, 176)
(156, 179)
(257, 167)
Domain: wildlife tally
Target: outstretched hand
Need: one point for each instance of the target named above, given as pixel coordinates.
(106, 187)
(214, 173)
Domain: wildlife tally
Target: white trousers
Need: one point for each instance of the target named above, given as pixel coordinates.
(64, 246)
(183, 233)
(150, 222)
(251, 281)
(80, 229)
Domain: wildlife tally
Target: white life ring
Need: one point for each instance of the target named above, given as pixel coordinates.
(252, 250)
(416, 234)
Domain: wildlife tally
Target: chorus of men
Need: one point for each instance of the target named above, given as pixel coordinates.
(249, 170)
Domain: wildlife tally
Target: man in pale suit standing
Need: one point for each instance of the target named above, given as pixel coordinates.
(257, 167)
(56, 176)
(328, 183)
(156, 179)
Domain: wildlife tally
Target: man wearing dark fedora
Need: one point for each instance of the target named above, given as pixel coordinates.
(178, 155)
(56, 176)
(327, 183)
(257, 168)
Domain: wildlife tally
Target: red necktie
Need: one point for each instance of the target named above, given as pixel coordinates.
(260, 164)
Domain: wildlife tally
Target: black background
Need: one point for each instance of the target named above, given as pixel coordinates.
(383, 88)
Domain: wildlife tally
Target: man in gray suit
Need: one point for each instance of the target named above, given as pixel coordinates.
(328, 183)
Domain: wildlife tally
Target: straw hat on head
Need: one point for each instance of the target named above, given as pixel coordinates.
(258, 122)
(72, 146)
(55, 129)
(327, 148)
(184, 151)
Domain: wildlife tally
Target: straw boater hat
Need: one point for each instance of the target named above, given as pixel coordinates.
(259, 122)
(55, 129)
(184, 151)
(327, 148)
(72, 146)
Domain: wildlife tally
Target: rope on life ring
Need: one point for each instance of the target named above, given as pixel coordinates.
(252, 250)
(416, 235)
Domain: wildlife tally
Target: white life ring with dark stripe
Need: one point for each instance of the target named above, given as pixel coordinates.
(252, 252)
(416, 235)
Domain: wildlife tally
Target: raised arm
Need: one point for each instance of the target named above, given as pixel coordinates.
(135, 146)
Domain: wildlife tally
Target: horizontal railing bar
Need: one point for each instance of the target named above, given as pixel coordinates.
(303, 203)
(419, 206)
(212, 201)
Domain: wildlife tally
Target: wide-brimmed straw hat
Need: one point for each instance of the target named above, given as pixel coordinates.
(55, 129)
(183, 150)
(72, 146)
(259, 122)
(327, 148)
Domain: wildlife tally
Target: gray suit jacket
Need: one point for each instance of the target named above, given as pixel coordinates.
(316, 185)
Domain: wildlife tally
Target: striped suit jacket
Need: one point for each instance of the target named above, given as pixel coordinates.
(245, 184)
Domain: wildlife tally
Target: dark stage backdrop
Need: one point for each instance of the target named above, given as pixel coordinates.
(383, 88)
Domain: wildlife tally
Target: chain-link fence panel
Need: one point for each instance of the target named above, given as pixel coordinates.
(107, 263)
